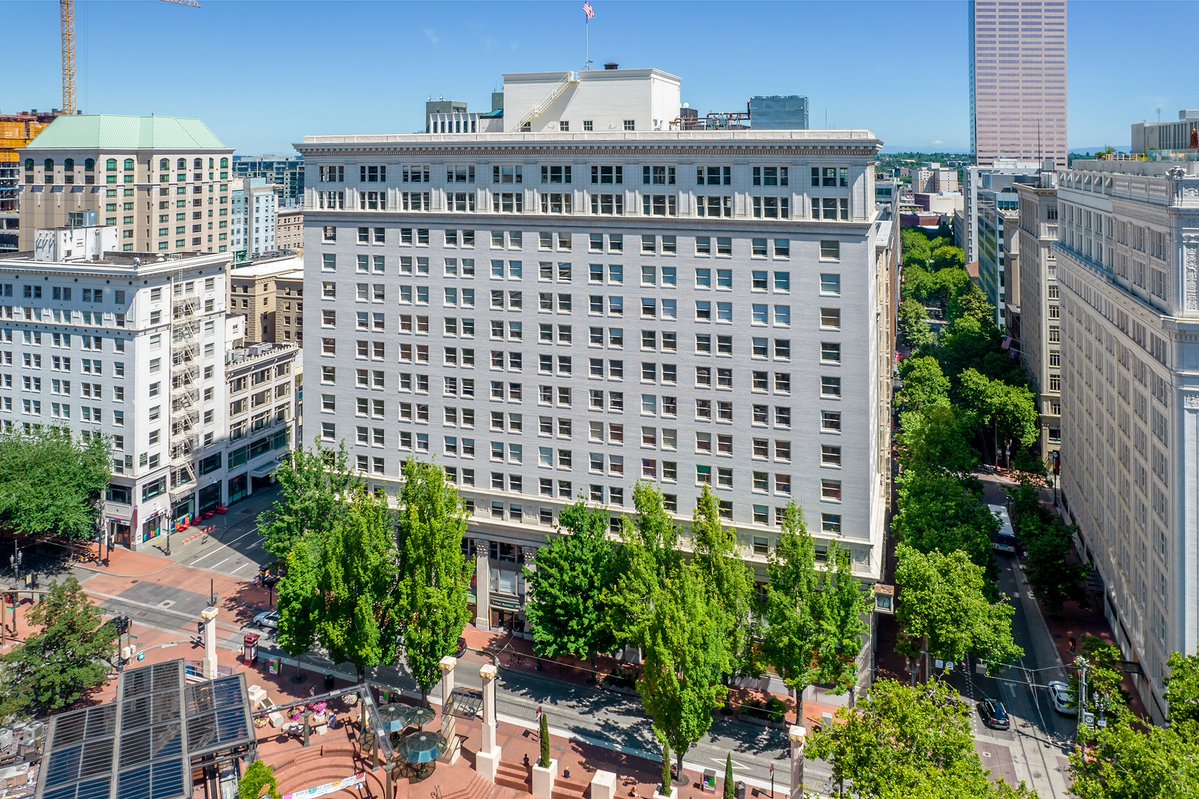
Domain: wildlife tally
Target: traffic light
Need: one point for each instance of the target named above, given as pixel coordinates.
(200, 628)
(121, 623)
(10, 597)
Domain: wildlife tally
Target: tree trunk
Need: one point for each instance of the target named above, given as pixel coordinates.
(928, 663)
(679, 756)
(799, 719)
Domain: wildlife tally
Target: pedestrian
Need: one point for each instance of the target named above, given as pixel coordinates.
(1073, 643)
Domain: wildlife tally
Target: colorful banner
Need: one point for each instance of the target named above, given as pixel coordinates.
(329, 787)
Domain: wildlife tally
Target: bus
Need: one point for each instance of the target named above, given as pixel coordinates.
(1005, 539)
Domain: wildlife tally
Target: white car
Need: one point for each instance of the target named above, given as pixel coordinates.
(267, 620)
(1063, 703)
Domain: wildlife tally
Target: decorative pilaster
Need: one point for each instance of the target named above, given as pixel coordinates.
(482, 584)
(798, 737)
(448, 720)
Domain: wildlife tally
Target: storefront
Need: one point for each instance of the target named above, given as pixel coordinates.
(239, 487)
(209, 498)
(152, 525)
(183, 511)
(506, 614)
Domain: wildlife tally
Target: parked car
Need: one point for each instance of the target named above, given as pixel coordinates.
(1063, 703)
(461, 647)
(267, 620)
(994, 714)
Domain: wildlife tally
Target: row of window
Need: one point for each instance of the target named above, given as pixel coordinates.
(612, 175)
(110, 165)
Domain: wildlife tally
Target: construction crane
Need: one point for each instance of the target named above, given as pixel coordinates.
(66, 14)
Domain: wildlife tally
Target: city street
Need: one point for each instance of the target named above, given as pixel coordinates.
(233, 546)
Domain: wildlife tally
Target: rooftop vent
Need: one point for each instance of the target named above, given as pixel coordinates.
(611, 65)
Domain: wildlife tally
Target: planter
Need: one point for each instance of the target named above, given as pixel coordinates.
(543, 780)
(674, 793)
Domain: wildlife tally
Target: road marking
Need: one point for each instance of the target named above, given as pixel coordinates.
(224, 544)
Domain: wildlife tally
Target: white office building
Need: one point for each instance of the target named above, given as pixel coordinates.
(592, 297)
(125, 345)
(255, 211)
(1128, 273)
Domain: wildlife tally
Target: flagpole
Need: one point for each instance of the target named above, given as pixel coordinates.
(586, 42)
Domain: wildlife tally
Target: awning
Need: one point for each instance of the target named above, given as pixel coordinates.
(265, 470)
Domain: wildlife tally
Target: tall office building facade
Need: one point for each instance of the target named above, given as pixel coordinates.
(1017, 80)
(255, 211)
(1128, 272)
(1039, 330)
(163, 182)
(285, 174)
(561, 315)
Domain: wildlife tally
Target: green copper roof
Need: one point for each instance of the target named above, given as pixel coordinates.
(111, 132)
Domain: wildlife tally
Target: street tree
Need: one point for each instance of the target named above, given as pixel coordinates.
(924, 384)
(686, 657)
(566, 585)
(313, 488)
(1054, 573)
(971, 302)
(648, 556)
(942, 512)
(357, 572)
(70, 655)
(1010, 411)
(51, 483)
(258, 782)
(793, 606)
(937, 439)
(944, 605)
(1105, 694)
(1131, 760)
(300, 602)
(917, 250)
(717, 556)
(430, 606)
(947, 257)
(901, 742)
(913, 324)
(729, 791)
(1182, 691)
(844, 609)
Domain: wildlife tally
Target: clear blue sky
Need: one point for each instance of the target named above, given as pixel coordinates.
(263, 73)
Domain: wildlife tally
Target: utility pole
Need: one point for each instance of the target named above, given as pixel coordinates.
(1082, 693)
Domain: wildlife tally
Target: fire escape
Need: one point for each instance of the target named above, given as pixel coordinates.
(185, 389)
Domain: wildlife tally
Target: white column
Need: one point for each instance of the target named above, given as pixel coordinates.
(482, 584)
(487, 761)
(208, 615)
(797, 735)
(448, 720)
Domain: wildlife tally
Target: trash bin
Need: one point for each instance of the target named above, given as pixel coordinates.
(740, 789)
(329, 682)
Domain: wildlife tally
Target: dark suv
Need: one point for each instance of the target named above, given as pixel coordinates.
(994, 714)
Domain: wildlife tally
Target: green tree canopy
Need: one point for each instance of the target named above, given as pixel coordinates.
(258, 782)
(939, 511)
(718, 558)
(431, 603)
(1105, 678)
(686, 656)
(793, 600)
(300, 603)
(972, 303)
(937, 439)
(51, 483)
(943, 601)
(66, 659)
(913, 323)
(313, 488)
(649, 556)
(901, 742)
(948, 257)
(355, 583)
(1182, 690)
(1011, 411)
(924, 383)
(843, 625)
(1129, 760)
(567, 583)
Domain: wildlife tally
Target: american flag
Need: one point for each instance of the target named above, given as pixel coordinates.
(588, 10)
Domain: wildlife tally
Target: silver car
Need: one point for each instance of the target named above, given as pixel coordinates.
(1063, 703)
(267, 620)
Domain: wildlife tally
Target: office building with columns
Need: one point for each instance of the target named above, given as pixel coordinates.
(1128, 274)
(590, 297)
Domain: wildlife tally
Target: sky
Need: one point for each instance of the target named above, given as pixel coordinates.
(264, 73)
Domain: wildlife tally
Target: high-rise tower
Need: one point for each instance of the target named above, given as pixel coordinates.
(1018, 80)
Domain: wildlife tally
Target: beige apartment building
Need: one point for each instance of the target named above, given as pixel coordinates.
(289, 308)
(163, 182)
(289, 230)
(254, 291)
(1017, 80)
(1039, 302)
